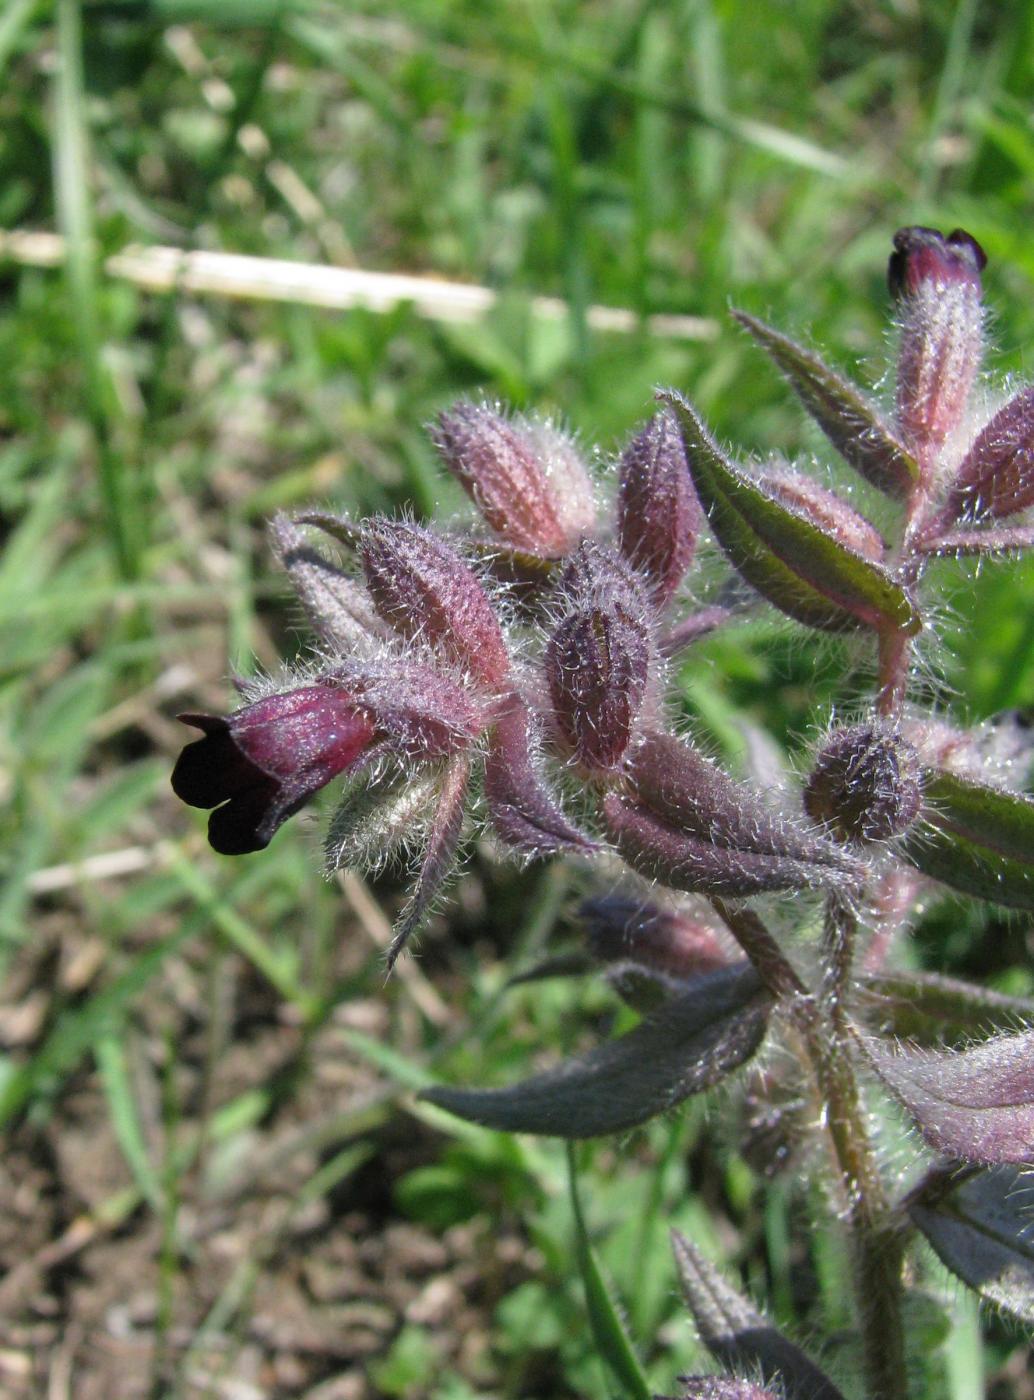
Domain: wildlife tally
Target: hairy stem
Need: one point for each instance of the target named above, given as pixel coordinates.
(875, 1240)
(893, 672)
(775, 969)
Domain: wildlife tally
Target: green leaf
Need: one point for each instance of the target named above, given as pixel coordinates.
(975, 838)
(689, 1045)
(979, 1224)
(853, 424)
(788, 558)
(931, 1009)
(608, 1331)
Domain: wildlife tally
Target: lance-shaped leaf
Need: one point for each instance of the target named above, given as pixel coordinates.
(689, 824)
(975, 838)
(975, 1104)
(934, 1010)
(996, 477)
(687, 1046)
(520, 806)
(794, 562)
(737, 1335)
(852, 423)
(380, 814)
(981, 1225)
(439, 854)
(339, 610)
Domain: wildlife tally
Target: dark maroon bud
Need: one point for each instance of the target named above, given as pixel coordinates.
(667, 941)
(996, 478)
(424, 590)
(597, 664)
(826, 510)
(866, 784)
(659, 515)
(937, 282)
(527, 479)
(258, 766)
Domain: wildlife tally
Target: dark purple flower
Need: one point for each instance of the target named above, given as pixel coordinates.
(258, 766)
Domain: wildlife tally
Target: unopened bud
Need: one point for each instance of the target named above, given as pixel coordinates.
(937, 281)
(866, 784)
(527, 480)
(659, 515)
(597, 662)
(423, 589)
(996, 478)
(826, 510)
(669, 942)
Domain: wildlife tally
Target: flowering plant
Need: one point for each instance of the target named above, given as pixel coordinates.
(519, 674)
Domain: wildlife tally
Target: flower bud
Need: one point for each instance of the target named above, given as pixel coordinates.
(526, 479)
(336, 605)
(597, 660)
(659, 515)
(826, 510)
(937, 281)
(668, 942)
(258, 766)
(423, 589)
(866, 784)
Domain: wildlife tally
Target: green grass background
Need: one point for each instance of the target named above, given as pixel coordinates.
(664, 157)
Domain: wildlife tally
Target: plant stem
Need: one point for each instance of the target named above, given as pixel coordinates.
(775, 969)
(875, 1241)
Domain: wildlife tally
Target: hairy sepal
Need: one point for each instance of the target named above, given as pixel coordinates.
(439, 854)
(790, 559)
(975, 838)
(739, 1336)
(976, 1104)
(520, 807)
(850, 421)
(685, 1047)
(338, 609)
(981, 1226)
(996, 477)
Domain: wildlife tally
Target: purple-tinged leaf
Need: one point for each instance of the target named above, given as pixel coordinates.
(685, 1047)
(658, 851)
(690, 825)
(739, 1336)
(338, 609)
(424, 590)
(852, 423)
(996, 478)
(659, 515)
(439, 855)
(975, 1104)
(520, 807)
(981, 1225)
(935, 1010)
(957, 544)
(975, 838)
(790, 559)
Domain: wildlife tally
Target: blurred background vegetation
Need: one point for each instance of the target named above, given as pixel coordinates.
(215, 1179)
